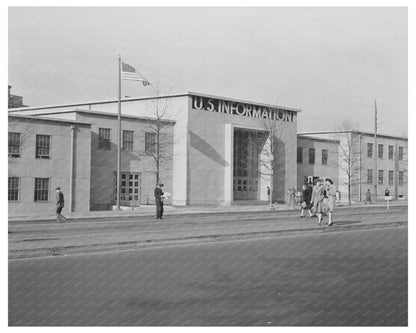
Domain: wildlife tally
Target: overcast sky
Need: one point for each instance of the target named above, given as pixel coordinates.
(332, 63)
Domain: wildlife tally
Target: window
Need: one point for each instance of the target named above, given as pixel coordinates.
(150, 142)
(311, 155)
(104, 138)
(300, 155)
(400, 153)
(14, 144)
(128, 140)
(369, 150)
(391, 150)
(41, 189)
(380, 176)
(14, 183)
(401, 173)
(380, 151)
(324, 157)
(369, 176)
(43, 146)
(391, 176)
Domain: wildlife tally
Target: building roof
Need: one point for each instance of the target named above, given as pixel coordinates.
(132, 99)
(301, 136)
(356, 132)
(60, 120)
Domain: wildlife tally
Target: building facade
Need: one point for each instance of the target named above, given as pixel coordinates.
(363, 167)
(45, 153)
(316, 158)
(222, 150)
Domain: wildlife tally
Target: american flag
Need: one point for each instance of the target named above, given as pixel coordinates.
(129, 73)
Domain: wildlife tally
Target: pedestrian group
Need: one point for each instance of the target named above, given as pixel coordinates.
(319, 198)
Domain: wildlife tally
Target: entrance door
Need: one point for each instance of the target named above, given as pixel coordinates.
(246, 167)
(130, 188)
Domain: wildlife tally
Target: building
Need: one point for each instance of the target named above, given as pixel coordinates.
(222, 150)
(45, 153)
(316, 158)
(14, 101)
(357, 163)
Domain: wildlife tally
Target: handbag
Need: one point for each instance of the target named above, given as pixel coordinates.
(303, 205)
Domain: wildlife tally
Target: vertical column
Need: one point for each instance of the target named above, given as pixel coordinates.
(71, 170)
(228, 168)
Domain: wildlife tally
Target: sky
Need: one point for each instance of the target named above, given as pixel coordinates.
(332, 63)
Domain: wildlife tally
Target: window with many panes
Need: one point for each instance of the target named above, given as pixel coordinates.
(369, 150)
(104, 138)
(380, 176)
(400, 153)
(391, 151)
(128, 140)
(14, 144)
(150, 142)
(14, 183)
(369, 176)
(324, 157)
(401, 174)
(300, 155)
(43, 146)
(391, 177)
(41, 189)
(311, 155)
(380, 151)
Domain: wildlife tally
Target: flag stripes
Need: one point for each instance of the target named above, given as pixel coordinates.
(129, 73)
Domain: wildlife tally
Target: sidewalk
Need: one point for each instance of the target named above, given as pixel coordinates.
(82, 236)
(149, 211)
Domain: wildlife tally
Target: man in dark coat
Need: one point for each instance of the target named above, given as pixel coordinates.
(59, 205)
(159, 201)
(307, 196)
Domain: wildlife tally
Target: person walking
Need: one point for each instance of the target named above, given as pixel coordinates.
(317, 198)
(331, 193)
(159, 201)
(306, 202)
(60, 201)
(268, 194)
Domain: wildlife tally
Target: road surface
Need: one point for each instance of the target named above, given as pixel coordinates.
(338, 278)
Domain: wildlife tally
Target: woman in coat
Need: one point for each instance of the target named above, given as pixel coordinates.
(317, 198)
(331, 195)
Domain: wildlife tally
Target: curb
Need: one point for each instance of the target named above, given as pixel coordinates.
(132, 245)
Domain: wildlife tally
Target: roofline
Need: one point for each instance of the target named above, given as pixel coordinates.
(100, 113)
(301, 136)
(49, 119)
(357, 132)
(106, 101)
(132, 99)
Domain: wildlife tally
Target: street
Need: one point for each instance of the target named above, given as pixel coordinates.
(343, 278)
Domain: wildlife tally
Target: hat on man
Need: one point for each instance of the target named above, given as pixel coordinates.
(160, 184)
(58, 188)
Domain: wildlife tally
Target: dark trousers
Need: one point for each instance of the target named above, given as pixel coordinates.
(159, 209)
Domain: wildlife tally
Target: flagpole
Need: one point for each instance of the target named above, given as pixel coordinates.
(119, 134)
(376, 152)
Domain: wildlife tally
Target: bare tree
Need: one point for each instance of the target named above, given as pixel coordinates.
(349, 158)
(268, 142)
(160, 132)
